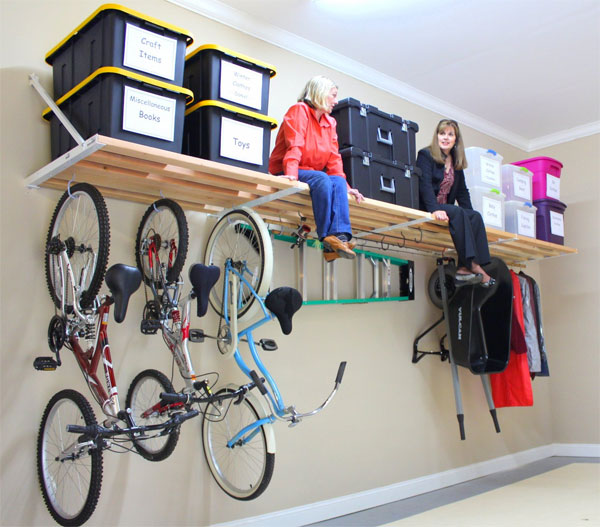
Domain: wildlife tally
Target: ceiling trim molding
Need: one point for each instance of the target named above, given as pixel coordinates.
(250, 25)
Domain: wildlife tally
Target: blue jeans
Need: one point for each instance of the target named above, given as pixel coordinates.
(329, 196)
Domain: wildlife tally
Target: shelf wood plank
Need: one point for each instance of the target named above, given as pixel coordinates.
(139, 173)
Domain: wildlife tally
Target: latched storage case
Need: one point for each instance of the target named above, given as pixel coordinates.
(381, 179)
(220, 74)
(119, 37)
(385, 135)
(124, 105)
(546, 176)
(484, 168)
(550, 222)
(222, 132)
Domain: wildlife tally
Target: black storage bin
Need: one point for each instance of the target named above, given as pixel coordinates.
(124, 105)
(219, 74)
(384, 135)
(381, 179)
(480, 322)
(118, 36)
(221, 132)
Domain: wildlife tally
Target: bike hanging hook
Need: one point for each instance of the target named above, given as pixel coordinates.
(154, 204)
(69, 188)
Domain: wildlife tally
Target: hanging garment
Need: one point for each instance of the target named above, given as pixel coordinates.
(537, 303)
(531, 337)
(512, 387)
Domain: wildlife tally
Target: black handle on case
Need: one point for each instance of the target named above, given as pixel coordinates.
(340, 373)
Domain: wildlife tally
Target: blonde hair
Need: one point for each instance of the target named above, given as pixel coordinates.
(458, 150)
(316, 91)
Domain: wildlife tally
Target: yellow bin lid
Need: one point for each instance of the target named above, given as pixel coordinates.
(117, 7)
(125, 73)
(233, 109)
(226, 51)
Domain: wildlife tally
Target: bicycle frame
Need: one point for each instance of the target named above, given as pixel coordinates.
(93, 324)
(272, 393)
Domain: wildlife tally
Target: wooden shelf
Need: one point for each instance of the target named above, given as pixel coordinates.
(124, 170)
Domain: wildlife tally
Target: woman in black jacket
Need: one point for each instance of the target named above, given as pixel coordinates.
(441, 185)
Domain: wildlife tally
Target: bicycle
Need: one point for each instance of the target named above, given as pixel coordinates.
(240, 245)
(69, 460)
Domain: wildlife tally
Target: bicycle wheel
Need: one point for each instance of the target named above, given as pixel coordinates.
(71, 485)
(242, 236)
(243, 471)
(80, 220)
(143, 394)
(164, 224)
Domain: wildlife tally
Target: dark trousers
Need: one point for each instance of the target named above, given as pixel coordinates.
(468, 234)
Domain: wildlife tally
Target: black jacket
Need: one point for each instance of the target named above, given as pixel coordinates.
(431, 179)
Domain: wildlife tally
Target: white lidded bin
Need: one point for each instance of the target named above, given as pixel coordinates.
(484, 168)
(516, 183)
(489, 202)
(519, 217)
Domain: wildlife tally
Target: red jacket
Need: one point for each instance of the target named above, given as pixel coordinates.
(305, 143)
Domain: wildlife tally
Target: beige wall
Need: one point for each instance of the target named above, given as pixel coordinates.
(392, 420)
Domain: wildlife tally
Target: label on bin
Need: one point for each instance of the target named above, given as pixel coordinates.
(241, 85)
(552, 186)
(148, 114)
(149, 52)
(521, 186)
(490, 171)
(557, 226)
(492, 212)
(526, 223)
(241, 141)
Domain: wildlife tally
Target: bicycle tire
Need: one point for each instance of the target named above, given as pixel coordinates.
(165, 218)
(71, 487)
(80, 219)
(242, 236)
(144, 393)
(244, 471)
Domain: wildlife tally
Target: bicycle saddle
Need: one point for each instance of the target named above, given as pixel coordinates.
(122, 280)
(283, 302)
(203, 278)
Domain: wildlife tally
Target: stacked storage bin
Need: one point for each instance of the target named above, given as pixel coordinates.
(120, 74)
(378, 152)
(484, 181)
(546, 197)
(519, 212)
(228, 122)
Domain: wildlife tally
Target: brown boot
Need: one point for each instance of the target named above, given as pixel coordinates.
(330, 256)
(334, 243)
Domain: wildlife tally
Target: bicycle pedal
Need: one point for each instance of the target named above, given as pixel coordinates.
(268, 344)
(196, 335)
(149, 327)
(45, 364)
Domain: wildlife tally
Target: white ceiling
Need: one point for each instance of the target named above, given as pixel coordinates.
(524, 71)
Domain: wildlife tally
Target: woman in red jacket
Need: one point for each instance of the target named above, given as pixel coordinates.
(306, 150)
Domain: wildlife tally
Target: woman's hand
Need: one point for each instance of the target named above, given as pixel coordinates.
(440, 215)
(291, 178)
(356, 193)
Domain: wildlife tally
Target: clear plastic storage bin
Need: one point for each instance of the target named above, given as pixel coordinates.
(490, 204)
(516, 183)
(484, 168)
(519, 217)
